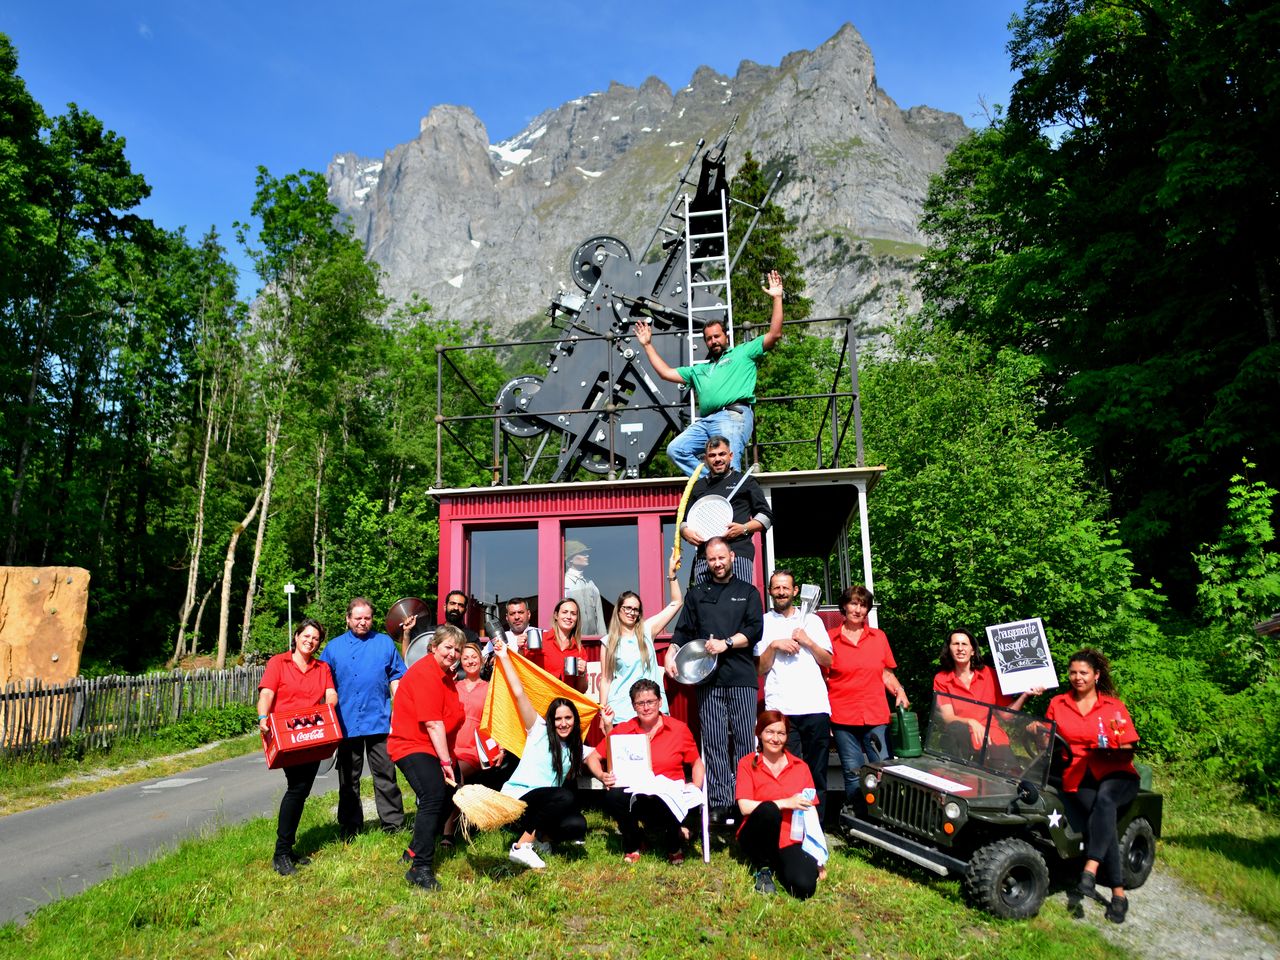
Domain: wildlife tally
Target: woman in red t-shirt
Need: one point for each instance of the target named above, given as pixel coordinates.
(291, 681)
(860, 673)
(771, 787)
(560, 643)
(1100, 776)
(425, 717)
(963, 674)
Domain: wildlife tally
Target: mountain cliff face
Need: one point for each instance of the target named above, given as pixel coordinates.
(484, 232)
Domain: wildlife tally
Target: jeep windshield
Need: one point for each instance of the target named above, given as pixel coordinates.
(1004, 742)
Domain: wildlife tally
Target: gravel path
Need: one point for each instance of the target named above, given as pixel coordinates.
(1169, 920)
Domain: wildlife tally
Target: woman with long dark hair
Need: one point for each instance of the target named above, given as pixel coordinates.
(292, 681)
(546, 777)
(965, 675)
(1100, 777)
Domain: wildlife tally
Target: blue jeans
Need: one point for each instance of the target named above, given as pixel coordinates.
(688, 448)
(856, 746)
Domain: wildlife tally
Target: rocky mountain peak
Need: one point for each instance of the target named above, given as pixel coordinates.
(485, 231)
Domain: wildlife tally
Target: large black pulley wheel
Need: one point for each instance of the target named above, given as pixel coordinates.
(514, 399)
(1008, 878)
(1137, 853)
(589, 259)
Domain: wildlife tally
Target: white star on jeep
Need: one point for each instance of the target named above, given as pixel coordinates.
(1055, 819)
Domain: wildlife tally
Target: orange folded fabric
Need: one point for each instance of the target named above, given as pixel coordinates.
(501, 717)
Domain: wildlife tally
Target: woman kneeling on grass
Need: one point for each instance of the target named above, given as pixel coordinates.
(293, 681)
(546, 777)
(773, 787)
(1100, 776)
(425, 718)
(671, 751)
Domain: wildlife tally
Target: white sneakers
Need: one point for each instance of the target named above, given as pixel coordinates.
(526, 856)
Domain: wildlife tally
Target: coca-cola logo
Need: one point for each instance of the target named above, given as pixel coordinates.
(308, 736)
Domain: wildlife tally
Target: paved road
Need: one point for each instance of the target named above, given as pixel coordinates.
(59, 850)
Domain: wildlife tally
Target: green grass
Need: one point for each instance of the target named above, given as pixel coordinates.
(1221, 844)
(29, 782)
(217, 897)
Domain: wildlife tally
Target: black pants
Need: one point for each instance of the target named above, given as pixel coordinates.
(553, 812)
(386, 792)
(796, 870)
(299, 780)
(426, 779)
(810, 739)
(646, 812)
(1100, 800)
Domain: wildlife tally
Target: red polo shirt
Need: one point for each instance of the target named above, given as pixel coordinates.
(758, 783)
(855, 681)
(1081, 733)
(425, 693)
(296, 689)
(670, 748)
(983, 687)
(551, 658)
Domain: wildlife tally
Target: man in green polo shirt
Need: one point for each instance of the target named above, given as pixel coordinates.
(725, 386)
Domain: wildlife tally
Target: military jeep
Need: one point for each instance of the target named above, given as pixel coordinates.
(984, 802)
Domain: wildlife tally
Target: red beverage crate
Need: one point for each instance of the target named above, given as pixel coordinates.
(301, 736)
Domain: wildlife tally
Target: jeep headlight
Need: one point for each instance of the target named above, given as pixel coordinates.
(951, 810)
(870, 782)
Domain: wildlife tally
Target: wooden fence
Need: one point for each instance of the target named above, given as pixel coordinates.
(98, 710)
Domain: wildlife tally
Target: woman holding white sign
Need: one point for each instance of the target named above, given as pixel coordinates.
(1100, 776)
(671, 749)
(964, 674)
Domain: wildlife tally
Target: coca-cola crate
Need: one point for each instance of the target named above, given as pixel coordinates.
(301, 736)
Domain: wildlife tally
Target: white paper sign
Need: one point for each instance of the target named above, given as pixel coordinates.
(629, 758)
(1020, 654)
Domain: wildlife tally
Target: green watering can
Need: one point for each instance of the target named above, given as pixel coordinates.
(904, 734)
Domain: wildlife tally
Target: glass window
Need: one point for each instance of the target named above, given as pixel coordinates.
(504, 564)
(600, 562)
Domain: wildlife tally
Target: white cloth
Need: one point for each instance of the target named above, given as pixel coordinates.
(794, 684)
(815, 841)
(680, 797)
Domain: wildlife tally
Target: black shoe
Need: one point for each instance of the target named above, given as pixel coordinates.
(423, 877)
(1117, 908)
(347, 834)
(1088, 885)
(282, 863)
(764, 881)
(299, 861)
(407, 857)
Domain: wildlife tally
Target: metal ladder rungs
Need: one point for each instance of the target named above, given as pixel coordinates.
(704, 213)
(704, 236)
(716, 306)
(708, 283)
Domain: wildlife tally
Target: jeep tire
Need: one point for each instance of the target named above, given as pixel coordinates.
(1137, 853)
(1008, 878)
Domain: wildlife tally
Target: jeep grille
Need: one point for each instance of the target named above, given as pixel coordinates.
(910, 806)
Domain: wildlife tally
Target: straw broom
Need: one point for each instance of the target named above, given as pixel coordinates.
(481, 808)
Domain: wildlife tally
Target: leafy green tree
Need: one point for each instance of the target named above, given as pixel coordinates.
(983, 516)
(767, 250)
(1118, 224)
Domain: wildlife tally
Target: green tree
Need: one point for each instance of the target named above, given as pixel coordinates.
(983, 516)
(1118, 224)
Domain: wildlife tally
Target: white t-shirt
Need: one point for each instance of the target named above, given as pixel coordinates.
(794, 685)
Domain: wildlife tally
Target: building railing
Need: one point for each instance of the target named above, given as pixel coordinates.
(841, 409)
(99, 710)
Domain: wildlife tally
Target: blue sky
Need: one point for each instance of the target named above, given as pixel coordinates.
(205, 92)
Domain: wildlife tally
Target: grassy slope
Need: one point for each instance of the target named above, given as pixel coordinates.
(216, 897)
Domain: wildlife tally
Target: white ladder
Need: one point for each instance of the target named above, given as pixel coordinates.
(712, 224)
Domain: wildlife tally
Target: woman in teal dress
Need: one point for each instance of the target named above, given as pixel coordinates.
(629, 653)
